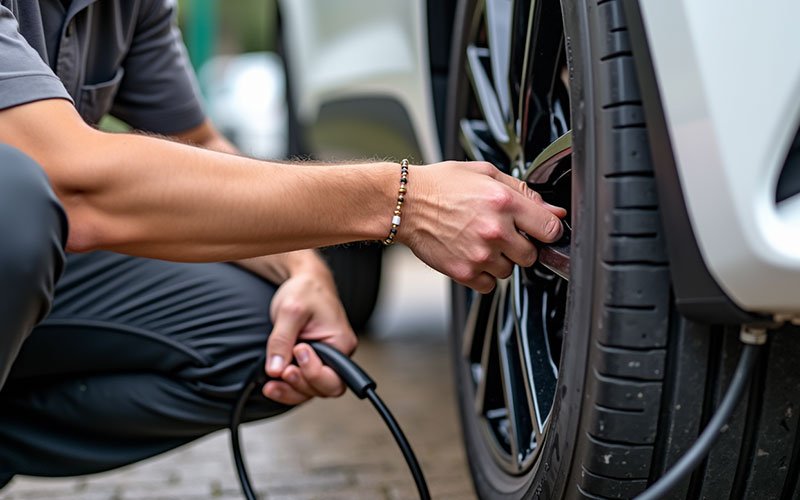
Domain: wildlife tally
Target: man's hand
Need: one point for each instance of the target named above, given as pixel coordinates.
(305, 307)
(467, 220)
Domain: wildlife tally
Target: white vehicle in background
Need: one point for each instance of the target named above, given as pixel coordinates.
(246, 96)
(670, 130)
(360, 77)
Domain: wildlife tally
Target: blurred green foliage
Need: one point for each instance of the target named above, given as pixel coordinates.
(241, 25)
(112, 124)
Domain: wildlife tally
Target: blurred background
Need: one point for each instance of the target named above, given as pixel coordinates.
(308, 80)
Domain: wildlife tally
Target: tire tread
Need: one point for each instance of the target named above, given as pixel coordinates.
(633, 285)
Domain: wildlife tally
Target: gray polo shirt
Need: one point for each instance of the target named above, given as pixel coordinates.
(123, 57)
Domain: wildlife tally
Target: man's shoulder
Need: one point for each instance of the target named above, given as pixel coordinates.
(24, 75)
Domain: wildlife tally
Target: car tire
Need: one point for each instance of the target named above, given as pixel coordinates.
(357, 272)
(636, 382)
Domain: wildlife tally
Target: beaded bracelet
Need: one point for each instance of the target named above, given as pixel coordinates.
(401, 196)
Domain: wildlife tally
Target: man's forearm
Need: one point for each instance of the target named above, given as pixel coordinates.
(166, 195)
(276, 268)
(151, 197)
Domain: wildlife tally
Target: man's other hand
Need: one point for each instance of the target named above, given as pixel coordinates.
(305, 307)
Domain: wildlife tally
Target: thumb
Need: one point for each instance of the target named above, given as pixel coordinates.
(559, 212)
(289, 322)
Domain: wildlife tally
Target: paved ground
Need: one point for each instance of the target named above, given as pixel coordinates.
(335, 449)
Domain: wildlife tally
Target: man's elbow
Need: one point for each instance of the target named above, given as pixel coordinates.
(74, 156)
(85, 235)
(62, 144)
(77, 176)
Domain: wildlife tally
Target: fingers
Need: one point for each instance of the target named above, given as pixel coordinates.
(559, 212)
(311, 379)
(290, 318)
(283, 393)
(294, 377)
(484, 281)
(539, 223)
(315, 378)
(500, 267)
(539, 219)
(481, 283)
(521, 250)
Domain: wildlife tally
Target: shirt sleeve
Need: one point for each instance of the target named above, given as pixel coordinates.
(24, 76)
(158, 92)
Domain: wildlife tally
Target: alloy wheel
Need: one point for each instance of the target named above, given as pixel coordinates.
(514, 104)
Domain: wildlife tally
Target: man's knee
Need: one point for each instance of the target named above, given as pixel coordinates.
(33, 227)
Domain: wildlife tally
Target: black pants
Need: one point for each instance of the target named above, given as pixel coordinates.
(136, 357)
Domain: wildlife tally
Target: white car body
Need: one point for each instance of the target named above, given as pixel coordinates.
(729, 78)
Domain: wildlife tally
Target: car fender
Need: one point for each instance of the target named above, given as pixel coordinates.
(728, 76)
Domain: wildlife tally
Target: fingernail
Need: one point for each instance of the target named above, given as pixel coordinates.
(275, 363)
(553, 228)
(292, 377)
(275, 392)
(302, 356)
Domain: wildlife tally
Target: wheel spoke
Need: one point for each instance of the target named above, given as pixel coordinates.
(488, 358)
(470, 326)
(522, 307)
(498, 30)
(548, 299)
(520, 20)
(525, 91)
(474, 327)
(485, 93)
(478, 142)
(544, 45)
(540, 367)
(545, 373)
(513, 378)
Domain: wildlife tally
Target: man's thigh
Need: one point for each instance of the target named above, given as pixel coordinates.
(138, 356)
(199, 322)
